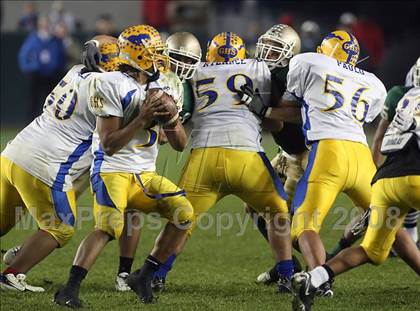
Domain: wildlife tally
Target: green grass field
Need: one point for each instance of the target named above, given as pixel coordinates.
(215, 272)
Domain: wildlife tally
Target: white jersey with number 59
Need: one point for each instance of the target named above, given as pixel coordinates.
(219, 119)
(55, 147)
(337, 98)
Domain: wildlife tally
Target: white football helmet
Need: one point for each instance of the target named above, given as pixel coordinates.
(184, 54)
(277, 46)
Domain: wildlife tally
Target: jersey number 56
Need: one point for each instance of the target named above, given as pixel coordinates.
(359, 107)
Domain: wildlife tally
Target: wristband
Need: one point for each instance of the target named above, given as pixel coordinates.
(172, 120)
(268, 112)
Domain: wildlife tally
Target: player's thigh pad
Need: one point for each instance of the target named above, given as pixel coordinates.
(361, 171)
(251, 177)
(110, 201)
(203, 178)
(391, 200)
(317, 189)
(53, 210)
(164, 198)
(295, 168)
(11, 204)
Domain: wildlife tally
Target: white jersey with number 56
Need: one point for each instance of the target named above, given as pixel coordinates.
(337, 98)
(219, 119)
(55, 147)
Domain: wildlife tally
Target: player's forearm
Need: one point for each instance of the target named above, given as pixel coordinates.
(377, 142)
(113, 141)
(162, 137)
(376, 151)
(286, 114)
(272, 125)
(176, 136)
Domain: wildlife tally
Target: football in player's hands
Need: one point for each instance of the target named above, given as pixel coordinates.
(165, 109)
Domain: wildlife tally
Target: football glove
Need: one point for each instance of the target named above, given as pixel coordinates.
(91, 55)
(252, 98)
(404, 120)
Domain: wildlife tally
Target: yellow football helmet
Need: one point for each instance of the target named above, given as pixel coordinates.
(141, 47)
(342, 46)
(225, 47)
(109, 60)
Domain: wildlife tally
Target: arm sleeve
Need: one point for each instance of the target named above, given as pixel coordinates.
(104, 100)
(179, 101)
(393, 97)
(296, 77)
(188, 106)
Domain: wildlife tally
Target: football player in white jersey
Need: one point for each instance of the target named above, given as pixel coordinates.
(276, 47)
(184, 53)
(227, 156)
(396, 189)
(39, 166)
(358, 225)
(124, 147)
(337, 99)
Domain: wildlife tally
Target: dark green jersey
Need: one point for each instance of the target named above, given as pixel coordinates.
(278, 84)
(188, 106)
(393, 97)
(290, 138)
(401, 163)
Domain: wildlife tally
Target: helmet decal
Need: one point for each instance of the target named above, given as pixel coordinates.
(138, 39)
(225, 47)
(342, 46)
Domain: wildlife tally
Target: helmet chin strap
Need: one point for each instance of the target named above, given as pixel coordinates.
(153, 76)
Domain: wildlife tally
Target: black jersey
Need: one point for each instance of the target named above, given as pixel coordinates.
(290, 138)
(401, 163)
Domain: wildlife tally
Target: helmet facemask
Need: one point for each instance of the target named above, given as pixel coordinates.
(183, 63)
(157, 55)
(274, 51)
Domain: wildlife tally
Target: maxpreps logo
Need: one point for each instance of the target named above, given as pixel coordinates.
(227, 51)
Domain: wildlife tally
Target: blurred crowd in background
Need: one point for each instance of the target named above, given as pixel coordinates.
(53, 40)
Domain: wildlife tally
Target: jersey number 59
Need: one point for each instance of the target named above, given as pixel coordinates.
(231, 86)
